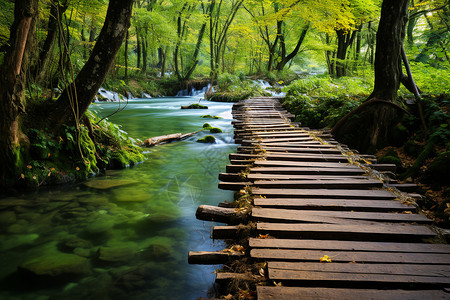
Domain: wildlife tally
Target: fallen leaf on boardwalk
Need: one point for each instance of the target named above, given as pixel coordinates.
(229, 296)
(263, 236)
(261, 272)
(325, 258)
(277, 284)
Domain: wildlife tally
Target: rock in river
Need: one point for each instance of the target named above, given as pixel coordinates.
(57, 267)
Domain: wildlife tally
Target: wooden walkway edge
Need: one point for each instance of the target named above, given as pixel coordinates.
(311, 221)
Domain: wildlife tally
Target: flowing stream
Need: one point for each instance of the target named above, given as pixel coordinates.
(126, 234)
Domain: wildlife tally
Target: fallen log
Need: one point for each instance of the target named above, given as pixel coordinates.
(157, 140)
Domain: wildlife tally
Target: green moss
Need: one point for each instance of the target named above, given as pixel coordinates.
(207, 139)
(439, 170)
(391, 160)
(194, 106)
(206, 126)
(210, 117)
(215, 130)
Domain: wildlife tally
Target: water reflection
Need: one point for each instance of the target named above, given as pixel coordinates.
(125, 234)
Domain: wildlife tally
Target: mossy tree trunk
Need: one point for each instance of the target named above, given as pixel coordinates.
(76, 98)
(12, 87)
(369, 126)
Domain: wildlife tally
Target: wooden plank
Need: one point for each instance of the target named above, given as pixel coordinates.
(258, 176)
(352, 256)
(325, 193)
(279, 163)
(233, 186)
(213, 257)
(349, 245)
(287, 139)
(287, 215)
(357, 268)
(321, 293)
(363, 232)
(334, 204)
(317, 184)
(299, 145)
(345, 170)
(292, 157)
(351, 279)
(268, 149)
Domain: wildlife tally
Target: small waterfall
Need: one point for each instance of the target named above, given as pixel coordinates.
(192, 92)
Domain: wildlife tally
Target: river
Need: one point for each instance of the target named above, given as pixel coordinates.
(127, 233)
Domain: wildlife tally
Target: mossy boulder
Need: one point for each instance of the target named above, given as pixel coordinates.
(194, 106)
(215, 130)
(115, 254)
(438, 173)
(391, 157)
(210, 117)
(412, 148)
(55, 267)
(206, 126)
(209, 139)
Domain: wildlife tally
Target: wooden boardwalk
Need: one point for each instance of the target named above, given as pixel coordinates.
(323, 227)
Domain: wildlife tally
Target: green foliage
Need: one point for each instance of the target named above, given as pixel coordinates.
(429, 79)
(321, 101)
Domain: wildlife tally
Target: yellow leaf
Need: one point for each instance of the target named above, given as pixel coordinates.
(263, 236)
(325, 258)
(48, 155)
(34, 177)
(22, 175)
(29, 167)
(77, 168)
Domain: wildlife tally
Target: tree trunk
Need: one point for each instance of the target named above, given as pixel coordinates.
(12, 87)
(126, 55)
(76, 98)
(46, 52)
(369, 126)
(286, 58)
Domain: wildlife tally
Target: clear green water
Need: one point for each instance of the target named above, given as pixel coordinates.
(145, 214)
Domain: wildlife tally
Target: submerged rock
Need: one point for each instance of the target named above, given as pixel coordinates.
(56, 266)
(115, 254)
(103, 184)
(7, 217)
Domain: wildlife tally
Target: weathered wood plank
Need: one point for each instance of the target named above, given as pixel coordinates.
(352, 256)
(357, 268)
(213, 257)
(317, 184)
(345, 170)
(278, 163)
(325, 193)
(234, 186)
(349, 245)
(363, 232)
(287, 215)
(321, 293)
(354, 278)
(334, 204)
(258, 176)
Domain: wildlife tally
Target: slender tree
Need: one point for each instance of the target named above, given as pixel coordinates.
(12, 86)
